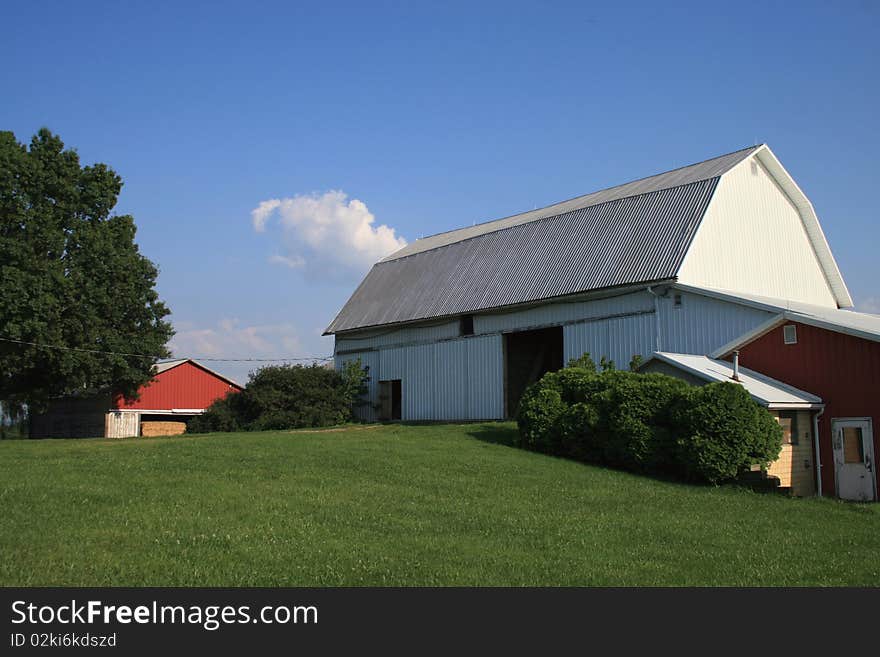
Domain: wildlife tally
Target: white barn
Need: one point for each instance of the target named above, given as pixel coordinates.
(454, 326)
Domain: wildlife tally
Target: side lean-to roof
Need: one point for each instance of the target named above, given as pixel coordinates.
(765, 390)
(634, 233)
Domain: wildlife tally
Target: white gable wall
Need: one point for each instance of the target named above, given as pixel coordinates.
(752, 240)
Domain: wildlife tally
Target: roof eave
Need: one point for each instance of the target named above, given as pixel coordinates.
(585, 295)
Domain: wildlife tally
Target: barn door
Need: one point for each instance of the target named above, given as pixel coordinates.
(854, 459)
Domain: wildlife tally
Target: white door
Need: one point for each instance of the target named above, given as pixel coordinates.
(853, 443)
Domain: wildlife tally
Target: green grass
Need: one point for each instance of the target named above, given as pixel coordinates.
(397, 505)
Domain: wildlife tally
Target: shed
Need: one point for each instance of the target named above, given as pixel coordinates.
(794, 409)
(180, 390)
(835, 354)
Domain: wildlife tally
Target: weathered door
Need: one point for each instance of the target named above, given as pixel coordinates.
(853, 443)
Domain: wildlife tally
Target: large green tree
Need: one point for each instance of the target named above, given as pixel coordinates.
(70, 276)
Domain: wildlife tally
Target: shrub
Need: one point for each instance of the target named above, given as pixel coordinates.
(288, 397)
(647, 423)
(635, 419)
(722, 432)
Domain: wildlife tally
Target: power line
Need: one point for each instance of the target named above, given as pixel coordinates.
(154, 357)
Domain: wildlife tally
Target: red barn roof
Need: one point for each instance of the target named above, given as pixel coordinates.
(180, 386)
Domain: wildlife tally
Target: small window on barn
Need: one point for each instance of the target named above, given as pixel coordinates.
(789, 334)
(466, 325)
(788, 421)
(676, 301)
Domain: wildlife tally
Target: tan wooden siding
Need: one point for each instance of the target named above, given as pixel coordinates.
(795, 467)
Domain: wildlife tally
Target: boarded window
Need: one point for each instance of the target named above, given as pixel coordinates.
(788, 421)
(853, 450)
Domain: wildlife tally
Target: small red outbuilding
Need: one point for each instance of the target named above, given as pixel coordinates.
(181, 389)
(834, 354)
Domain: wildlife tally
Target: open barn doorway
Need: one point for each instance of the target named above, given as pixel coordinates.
(529, 355)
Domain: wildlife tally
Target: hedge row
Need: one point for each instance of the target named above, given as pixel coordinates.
(287, 397)
(649, 423)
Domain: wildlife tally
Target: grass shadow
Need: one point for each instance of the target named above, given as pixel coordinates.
(499, 434)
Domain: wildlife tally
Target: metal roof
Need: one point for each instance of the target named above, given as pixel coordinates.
(632, 233)
(766, 391)
(683, 176)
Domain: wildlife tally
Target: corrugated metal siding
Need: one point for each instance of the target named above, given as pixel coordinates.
(392, 363)
(369, 359)
(402, 335)
(451, 380)
(630, 240)
(418, 383)
(683, 176)
(184, 386)
(558, 313)
(753, 239)
(702, 324)
(451, 370)
(485, 357)
(617, 339)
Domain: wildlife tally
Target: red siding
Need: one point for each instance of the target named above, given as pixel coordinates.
(184, 386)
(843, 370)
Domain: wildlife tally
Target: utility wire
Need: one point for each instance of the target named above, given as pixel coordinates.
(122, 353)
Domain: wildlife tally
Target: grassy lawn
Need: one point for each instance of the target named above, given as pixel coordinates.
(397, 505)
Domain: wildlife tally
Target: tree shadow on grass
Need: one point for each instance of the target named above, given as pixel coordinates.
(499, 434)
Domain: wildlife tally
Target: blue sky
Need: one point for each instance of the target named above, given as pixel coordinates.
(432, 116)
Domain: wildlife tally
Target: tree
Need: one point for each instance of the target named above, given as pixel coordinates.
(70, 276)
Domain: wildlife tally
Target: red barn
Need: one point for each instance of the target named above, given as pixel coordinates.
(834, 354)
(181, 389)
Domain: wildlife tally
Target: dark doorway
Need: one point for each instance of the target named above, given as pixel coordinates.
(529, 355)
(390, 396)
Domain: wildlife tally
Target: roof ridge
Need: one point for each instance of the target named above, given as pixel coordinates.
(391, 257)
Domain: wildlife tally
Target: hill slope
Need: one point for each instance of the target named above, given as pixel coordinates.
(397, 505)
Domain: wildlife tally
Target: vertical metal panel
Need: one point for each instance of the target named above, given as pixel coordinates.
(631, 336)
(702, 324)
(557, 313)
(418, 383)
(617, 339)
(392, 363)
(370, 360)
(485, 387)
(586, 338)
(451, 380)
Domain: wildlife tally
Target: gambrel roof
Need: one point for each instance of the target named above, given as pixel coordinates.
(636, 233)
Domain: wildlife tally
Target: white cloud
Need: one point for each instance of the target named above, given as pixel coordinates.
(869, 305)
(228, 339)
(326, 234)
(294, 262)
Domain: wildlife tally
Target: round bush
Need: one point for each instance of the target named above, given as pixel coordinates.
(721, 432)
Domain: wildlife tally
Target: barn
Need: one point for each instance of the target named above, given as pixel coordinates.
(180, 390)
(454, 326)
(834, 354)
